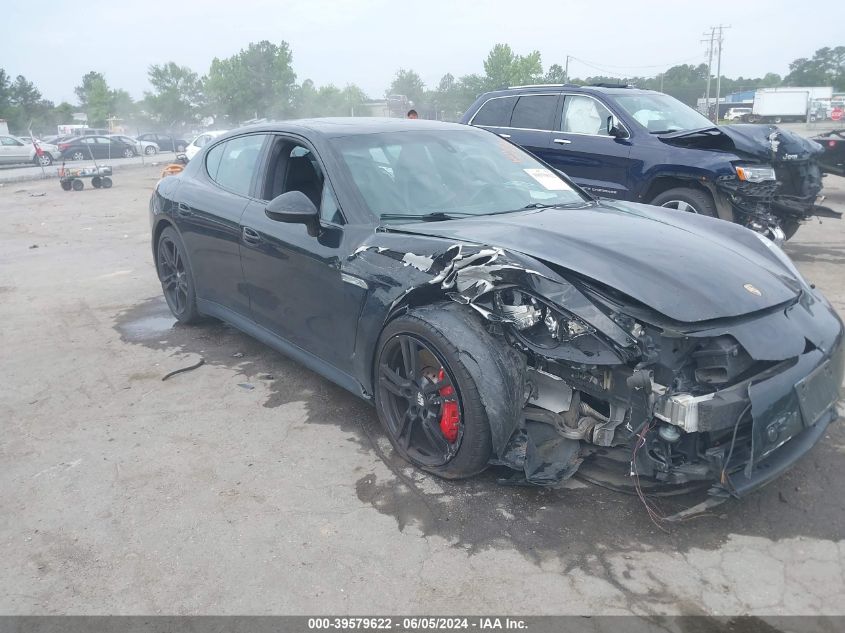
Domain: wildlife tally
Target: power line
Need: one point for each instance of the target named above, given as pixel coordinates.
(606, 66)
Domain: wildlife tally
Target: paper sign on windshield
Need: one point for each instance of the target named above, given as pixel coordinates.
(548, 179)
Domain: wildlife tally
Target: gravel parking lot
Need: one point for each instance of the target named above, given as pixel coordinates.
(251, 485)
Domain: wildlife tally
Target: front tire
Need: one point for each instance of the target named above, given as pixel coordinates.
(150, 150)
(176, 277)
(428, 401)
(77, 155)
(128, 153)
(688, 200)
(45, 160)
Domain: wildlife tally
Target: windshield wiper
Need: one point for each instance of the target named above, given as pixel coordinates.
(436, 216)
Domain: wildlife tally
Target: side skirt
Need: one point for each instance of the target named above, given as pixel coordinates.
(312, 362)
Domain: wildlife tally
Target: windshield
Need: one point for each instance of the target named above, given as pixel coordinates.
(660, 113)
(403, 176)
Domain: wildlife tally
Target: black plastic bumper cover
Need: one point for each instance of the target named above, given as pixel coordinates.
(780, 461)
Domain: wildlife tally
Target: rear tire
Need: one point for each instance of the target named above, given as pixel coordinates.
(688, 200)
(150, 150)
(176, 277)
(470, 453)
(78, 185)
(77, 155)
(106, 182)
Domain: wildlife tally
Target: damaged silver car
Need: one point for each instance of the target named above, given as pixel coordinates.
(494, 313)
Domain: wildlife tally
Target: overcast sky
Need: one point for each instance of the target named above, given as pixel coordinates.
(366, 41)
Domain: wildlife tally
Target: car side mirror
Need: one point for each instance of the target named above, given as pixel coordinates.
(615, 129)
(296, 208)
(182, 158)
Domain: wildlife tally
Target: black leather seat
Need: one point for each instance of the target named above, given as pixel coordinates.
(302, 176)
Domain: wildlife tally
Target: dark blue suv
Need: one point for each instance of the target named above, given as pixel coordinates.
(645, 146)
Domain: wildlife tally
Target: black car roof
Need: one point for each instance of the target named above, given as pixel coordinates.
(331, 127)
(610, 90)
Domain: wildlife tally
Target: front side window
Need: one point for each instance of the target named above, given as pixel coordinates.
(495, 112)
(232, 164)
(455, 172)
(584, 115)
(534, 112)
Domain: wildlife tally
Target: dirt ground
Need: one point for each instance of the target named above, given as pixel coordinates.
(251, 485)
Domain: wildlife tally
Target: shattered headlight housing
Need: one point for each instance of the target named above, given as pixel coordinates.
(755, 173)
(535, 320)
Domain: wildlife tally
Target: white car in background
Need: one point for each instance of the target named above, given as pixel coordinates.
(15, 149)
(737, 113)
(147, 147)
(201, 141)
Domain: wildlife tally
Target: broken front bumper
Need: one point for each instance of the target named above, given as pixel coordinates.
(790, 412)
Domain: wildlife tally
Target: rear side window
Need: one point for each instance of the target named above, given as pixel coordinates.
(232, 164)
(495, 112)
(535, 112)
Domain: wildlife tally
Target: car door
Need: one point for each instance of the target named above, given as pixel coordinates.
(532, 122)
(88, 145)
(13, 150)
(495, 115)
(208, 218)
(296, 287)
(104, 147)
(584, 151)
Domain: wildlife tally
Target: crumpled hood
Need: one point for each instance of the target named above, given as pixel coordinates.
(767, 143)
(685, 271)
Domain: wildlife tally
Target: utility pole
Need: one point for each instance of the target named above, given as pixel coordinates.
(719, 72)
(709, 71)
(566, 70)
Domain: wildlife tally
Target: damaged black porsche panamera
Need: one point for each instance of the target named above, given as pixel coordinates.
(496, 314)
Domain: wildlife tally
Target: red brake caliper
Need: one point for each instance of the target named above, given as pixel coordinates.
(450, 415)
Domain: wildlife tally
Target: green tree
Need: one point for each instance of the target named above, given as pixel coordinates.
(505, 68)
(328, 100)
(409, 84)
(95, 98)
(258, 81)
(5, 95)
(554, 75)
(177, 94)
(825, 68)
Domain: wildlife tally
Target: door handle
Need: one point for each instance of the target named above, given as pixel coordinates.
(505, 135)
(562, 141)
(251, 236)
(184, 210)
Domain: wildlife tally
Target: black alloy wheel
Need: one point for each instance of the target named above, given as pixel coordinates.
(174, 272)
(419, 401)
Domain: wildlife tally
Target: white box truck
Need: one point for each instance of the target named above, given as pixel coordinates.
(776, 105)
(793, 103)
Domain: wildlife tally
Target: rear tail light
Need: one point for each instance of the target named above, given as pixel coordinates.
(63, 146)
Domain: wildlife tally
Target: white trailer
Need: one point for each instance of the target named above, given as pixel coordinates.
(775, 105)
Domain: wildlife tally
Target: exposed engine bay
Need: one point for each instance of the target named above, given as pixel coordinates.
(607, 380)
